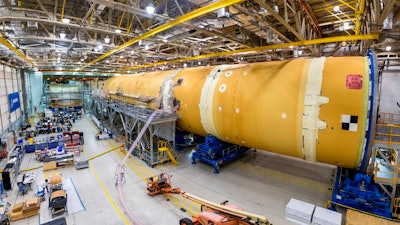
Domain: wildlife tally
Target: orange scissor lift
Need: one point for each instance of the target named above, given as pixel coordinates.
(211, 213)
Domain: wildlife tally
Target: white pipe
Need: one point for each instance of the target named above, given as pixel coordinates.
(120, 167)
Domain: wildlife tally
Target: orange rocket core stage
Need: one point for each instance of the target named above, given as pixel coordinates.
(314, 109)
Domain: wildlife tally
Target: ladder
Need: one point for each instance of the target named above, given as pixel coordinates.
(146, 142)
(164, 146)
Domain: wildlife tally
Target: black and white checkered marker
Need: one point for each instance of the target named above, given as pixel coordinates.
(349, 122)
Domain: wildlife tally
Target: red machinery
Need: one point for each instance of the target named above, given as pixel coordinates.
(160, 184)
(211, 213)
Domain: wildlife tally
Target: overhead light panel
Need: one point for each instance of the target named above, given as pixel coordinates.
(147, 47)
(100, 47)
(107, 40)
(346, 26)
(388, 48)
(63, 34)
(336, 8)
(118, 31)
(65, 20)
(150, 8)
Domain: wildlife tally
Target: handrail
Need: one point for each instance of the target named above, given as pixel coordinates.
(396, 204)
(390, 137)
(388, 118)
(378, 178)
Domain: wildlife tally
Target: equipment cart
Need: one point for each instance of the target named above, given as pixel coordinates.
(58, 202)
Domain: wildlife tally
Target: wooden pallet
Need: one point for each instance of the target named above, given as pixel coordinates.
(358, 218)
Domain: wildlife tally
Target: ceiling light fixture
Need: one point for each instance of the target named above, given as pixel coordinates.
(65, 20)
(346, 26)
(336, 8)
(107, 40)
(100, 47)
(150, 8)
(147, 47)
(165, 40)
(118, 31)
(388, 48)
(300, 52)
(62, 34)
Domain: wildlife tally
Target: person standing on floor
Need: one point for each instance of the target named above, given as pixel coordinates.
(45, 185)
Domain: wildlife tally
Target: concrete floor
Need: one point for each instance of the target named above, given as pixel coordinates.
(259, 182)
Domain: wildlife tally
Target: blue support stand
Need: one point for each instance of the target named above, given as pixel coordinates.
(216, 152)
(357, 190)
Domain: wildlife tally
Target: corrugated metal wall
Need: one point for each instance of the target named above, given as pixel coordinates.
(10, 82)
(34, 92)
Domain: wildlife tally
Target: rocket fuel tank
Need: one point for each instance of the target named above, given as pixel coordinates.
(312, 108)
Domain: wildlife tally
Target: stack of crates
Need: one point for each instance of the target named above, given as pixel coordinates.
(76, 138)
(299, 212)
(67, 138)
(326, 217)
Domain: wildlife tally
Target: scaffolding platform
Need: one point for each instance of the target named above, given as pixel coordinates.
(132, 119)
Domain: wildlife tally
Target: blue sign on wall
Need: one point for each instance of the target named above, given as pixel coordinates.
(13, 99)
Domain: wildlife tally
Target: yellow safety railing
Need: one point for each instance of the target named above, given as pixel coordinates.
(388, 134)
(388, 177)
(389, 174)
(389, 118)
(396, 205)
(164, 146)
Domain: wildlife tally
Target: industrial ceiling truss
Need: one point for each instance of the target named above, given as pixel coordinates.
(121, 36)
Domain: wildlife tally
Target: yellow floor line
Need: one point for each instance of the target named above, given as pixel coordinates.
(143, 173)
(112, 145)
(32, 168)
(147, 173)
(107, 194)
(284, 178)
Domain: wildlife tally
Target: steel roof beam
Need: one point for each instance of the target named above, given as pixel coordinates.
(14, 49)
(263, 48)
(284, 23)
(311, 16)
(194, 14)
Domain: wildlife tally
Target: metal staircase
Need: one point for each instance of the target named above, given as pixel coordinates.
(165, 147)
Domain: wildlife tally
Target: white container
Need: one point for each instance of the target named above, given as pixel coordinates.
(326, 217)
(48, 114)
(299, 211)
